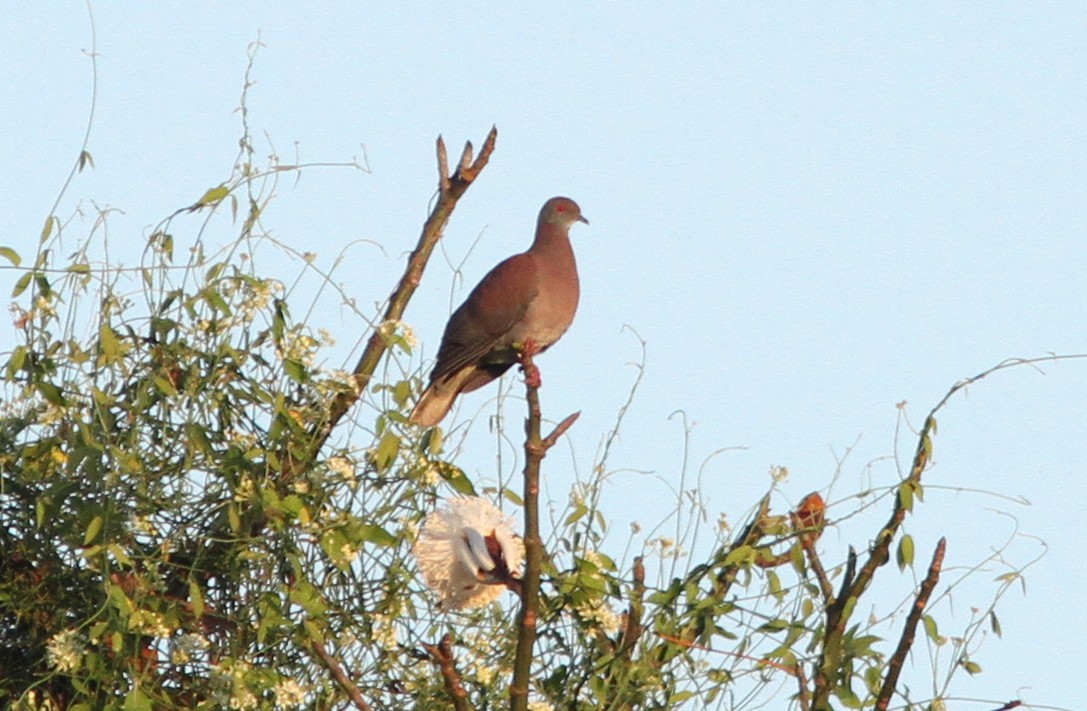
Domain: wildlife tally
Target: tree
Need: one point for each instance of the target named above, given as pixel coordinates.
(196, 513)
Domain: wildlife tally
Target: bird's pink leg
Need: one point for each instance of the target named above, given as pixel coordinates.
(532, 373)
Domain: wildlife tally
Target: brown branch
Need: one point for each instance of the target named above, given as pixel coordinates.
(633, 628)
(894, 667)
(442, 656)
(341, 677)
(802, 695)
(535, 449)
(450, 189)
(1013, 704)
(550, 440)
(808, 544)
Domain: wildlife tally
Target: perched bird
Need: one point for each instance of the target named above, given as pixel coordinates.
(530, 297)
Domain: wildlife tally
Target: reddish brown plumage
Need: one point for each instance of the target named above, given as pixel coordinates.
(532, 295)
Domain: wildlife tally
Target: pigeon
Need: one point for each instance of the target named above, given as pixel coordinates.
(527, 301)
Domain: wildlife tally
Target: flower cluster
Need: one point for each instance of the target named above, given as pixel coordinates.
(65, 650)
(467, 552)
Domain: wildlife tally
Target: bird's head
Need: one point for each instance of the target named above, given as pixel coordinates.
(561, 212)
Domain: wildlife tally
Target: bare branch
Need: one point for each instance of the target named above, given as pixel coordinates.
(450, 190)
(341, 677)
(535, 449)
(894, 667)
(442, 656)
(808, 544)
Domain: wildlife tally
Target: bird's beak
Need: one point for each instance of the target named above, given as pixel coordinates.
(582, 219)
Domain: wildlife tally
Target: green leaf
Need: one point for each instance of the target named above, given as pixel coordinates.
(51, 393)
(120, 600)
(196, 597)
(11, 255)
(848, 698)
(212, 196)
(47, 228)
(93, 530)
(137, 701)
(457, 479)
(774, 584)
(85, 159)
(994, 623)
(15, 363)
(164, 386)
(295, 370)
(930, 628)
(576, 514)
(862, 646)
(386, 451)
(744, 555)
(905, 495)
(21, 284)
(110, 348)
(434, 442)
(971, 668)
(373, 533)
(774, 626)
(904, 554)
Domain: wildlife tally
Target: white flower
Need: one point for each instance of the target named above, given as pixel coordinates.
(186, 647)
(600, 615)
(343, 468)
(467, 552)
(390, 329)
(64, 650)
(289, 694)
(384, 631)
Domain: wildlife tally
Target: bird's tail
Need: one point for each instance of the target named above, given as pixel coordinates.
(433, 406)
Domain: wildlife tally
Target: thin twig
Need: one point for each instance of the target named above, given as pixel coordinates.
(791, 671)
(341, 677)
(442, 655)
(894, 667)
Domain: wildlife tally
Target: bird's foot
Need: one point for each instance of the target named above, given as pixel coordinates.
(525, 353)
(529, 348)
(532, 376)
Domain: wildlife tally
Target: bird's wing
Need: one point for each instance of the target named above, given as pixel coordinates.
(493, 308)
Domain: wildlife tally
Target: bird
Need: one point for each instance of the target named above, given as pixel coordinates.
(527, 300)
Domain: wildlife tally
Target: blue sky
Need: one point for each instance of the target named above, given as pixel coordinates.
(809, 213)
